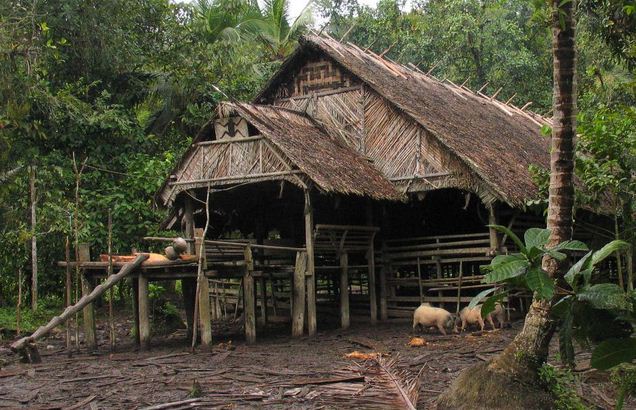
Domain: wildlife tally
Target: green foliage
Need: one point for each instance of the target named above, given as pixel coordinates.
(561, 383)
(624, 378)
(589, 312)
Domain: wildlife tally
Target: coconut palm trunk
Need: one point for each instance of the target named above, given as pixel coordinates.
(510, 379)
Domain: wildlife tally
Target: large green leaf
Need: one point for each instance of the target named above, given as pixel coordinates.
(607, 250)
(478, 298)
(613, 352)
(584, 263)
(511, 235)
(536, 237)
(571, 246)
(608, 296)
(566, 347)
(507, 268)
(562, 307)
(489, 304)
(539, 281)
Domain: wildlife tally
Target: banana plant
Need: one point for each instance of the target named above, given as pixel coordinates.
(591, 313)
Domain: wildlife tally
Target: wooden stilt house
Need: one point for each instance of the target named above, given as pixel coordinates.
(351, 187)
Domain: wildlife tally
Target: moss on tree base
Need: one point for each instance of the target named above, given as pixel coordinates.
(479, 387)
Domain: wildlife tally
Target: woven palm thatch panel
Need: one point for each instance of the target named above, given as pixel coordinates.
(315, 75)
(391, 140)
(329, 163)
(341, 113)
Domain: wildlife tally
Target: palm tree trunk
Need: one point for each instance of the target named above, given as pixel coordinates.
(488, 385)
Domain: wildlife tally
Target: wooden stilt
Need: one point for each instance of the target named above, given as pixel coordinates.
(310, 286)
(248, 298)
(493, 220)
(135, 308)
(386, 268)
(144, 313)
(188, 288)
(298, 294)
(205, 321)
(373, 300)
(262, 283)
(90, 332)
(459, 286)
(344, 291)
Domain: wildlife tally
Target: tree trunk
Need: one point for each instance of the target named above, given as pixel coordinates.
(513, 374)
(34, 242)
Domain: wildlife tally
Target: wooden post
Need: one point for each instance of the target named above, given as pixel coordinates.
(205, 321)
(493, 220)
(298, 294)
(248, 297)
(386, 266)
(459, 286)
(262, 283)
(344, 290)
(144, 313)
(373, 300)
(135, 308)
(88, 312)
(419, 280)
(310, 278)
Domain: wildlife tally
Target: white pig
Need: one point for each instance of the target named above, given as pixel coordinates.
(499, 314)
(471, 316)
(429, 316)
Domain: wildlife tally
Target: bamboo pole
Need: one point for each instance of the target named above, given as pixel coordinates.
(68, 294)
(34, 242)
(111, 322)
(29, 341)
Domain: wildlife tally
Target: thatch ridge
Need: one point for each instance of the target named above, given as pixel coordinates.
(496, 140)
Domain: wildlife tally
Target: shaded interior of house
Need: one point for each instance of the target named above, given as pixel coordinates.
(351, 188)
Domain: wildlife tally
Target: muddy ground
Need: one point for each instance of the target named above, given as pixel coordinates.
(276, 372)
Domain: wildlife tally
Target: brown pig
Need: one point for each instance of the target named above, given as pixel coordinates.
(471, 316)
(429, 316)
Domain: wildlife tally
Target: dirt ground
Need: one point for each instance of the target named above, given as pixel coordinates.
(277, 372)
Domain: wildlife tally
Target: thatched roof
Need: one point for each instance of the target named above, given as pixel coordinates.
(497, 141)
(331, 165)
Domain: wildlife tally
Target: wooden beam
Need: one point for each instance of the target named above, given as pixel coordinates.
(238, 177)
(298, 294)
(249, 308)
(135, 308)
(230, 140)
(344, 291)
(144, 313)
(205, 321)
(370, 256)
(262, 284)
(310, 286)
(90, 332)
(493, 220)
(386, 268)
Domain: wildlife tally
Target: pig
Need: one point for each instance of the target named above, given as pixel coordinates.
(471, 316)
(499, 314)
(429, 316)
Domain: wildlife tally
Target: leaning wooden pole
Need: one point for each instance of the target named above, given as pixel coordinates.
(28, 342)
